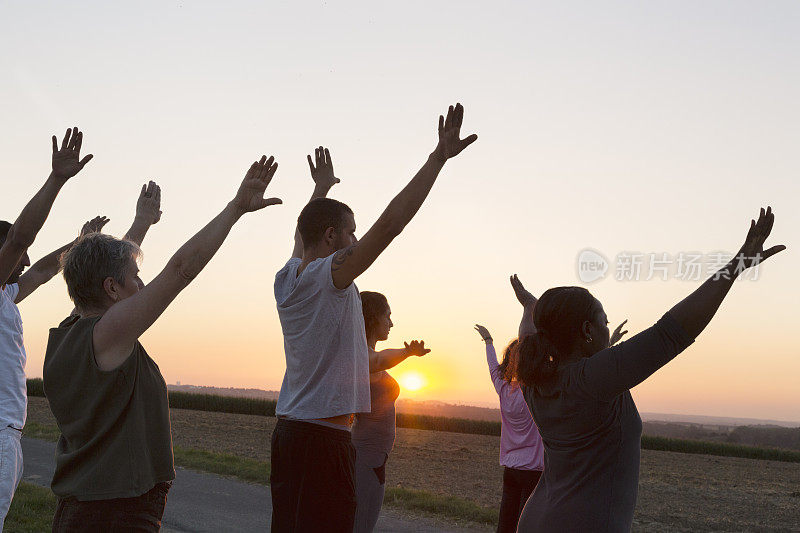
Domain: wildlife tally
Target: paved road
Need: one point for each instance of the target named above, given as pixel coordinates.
(205, 502)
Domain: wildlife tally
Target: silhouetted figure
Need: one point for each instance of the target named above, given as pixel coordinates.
(578, 390)
(16, 286)
(327, 361)
(521, 450)
(114, 462)
(374, 432)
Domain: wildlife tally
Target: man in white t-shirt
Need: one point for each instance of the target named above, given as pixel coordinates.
(16, 239)
(327, 362)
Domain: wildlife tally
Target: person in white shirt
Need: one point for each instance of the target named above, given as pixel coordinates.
(16, 239)
(327, 360)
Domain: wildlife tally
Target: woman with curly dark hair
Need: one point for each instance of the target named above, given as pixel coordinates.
(374, 432)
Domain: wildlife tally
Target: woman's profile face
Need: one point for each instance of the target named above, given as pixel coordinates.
(384, 324)
(601, 335)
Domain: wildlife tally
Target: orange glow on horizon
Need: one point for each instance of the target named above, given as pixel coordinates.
(412, 381)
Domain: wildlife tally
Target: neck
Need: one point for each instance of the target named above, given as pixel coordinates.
(371, 342)
(312, 254)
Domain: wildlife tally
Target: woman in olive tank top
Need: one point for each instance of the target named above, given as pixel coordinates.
(374, 432)
(114, 461)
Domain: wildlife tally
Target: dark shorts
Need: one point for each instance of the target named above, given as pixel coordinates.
(312, 478)
(141, 514)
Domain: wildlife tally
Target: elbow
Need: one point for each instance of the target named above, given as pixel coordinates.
(183, 270)
(390, 226)
(19, 240)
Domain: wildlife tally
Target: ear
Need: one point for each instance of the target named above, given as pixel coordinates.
(111, 289)
(586, 330)
(329, 237)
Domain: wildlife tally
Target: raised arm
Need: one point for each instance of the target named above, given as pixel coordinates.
(66, 163)
(352, 261)
(323, 177)
(117, 331)
(696, 310)
(148, 212)
(45, 268)
(528, 302)
(619, 368)
(389, 358)
(491, 357)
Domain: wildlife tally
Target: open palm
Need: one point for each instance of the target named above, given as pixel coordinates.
(752, 251)
(66, 160)
(250, 196)
(450, 142)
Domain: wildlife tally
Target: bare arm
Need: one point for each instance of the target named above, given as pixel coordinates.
(148, 212)
(386, 359)
(528, 302)
(696, 310)
(66, 163)
(45, 268)
(351, 262)
(323, 177)
(115, 334)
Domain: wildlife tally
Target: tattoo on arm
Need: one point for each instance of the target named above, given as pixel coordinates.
(341, 256)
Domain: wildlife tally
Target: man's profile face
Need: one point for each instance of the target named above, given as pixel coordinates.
(346, 236)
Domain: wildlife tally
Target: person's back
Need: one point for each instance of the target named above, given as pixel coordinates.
(591, 465)
(115, 431)
(327, 364)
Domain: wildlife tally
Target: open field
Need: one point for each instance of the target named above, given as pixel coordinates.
(678, 492)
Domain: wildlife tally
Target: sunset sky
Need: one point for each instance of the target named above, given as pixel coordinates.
(656, 127)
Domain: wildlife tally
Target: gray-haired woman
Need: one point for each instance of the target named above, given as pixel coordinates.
(114, 460)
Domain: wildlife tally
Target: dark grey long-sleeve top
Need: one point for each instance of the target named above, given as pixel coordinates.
(592, 434)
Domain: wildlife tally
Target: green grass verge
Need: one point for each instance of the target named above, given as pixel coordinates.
(448, 506)
(31, 510)
(224, 464)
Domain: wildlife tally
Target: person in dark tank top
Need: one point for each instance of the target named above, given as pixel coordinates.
(374, 432)
(114, 462)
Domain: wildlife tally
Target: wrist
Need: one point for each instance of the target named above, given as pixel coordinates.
(234, 209)
(437, 157)
(55, 179)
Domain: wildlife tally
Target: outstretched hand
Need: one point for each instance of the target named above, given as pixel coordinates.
(484, 333)
(450, 142)
(322, 173)
(752, 251)
(416, 348)
(250, 196)
(94, 226)
(149, 203)
(618, 334)
(524, 296)
(66, 160)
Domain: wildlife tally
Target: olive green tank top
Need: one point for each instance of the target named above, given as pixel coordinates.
(115, 433)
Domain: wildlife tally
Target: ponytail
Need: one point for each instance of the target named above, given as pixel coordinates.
(558, 318)
(538, 360)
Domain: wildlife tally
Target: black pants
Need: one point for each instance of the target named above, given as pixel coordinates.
(141, 514)
(517, 487)
(312, 478)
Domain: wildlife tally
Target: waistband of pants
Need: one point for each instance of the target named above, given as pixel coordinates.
(11, 430)
(309, 428)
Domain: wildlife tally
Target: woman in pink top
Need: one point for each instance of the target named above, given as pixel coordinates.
(521, 451)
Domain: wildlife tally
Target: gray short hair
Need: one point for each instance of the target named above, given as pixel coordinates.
(90, 261)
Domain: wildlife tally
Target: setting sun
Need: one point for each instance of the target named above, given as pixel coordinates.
(412, 381)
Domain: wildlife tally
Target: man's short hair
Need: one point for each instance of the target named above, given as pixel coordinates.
(4, 227)
(319, 215)
(90, 261)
